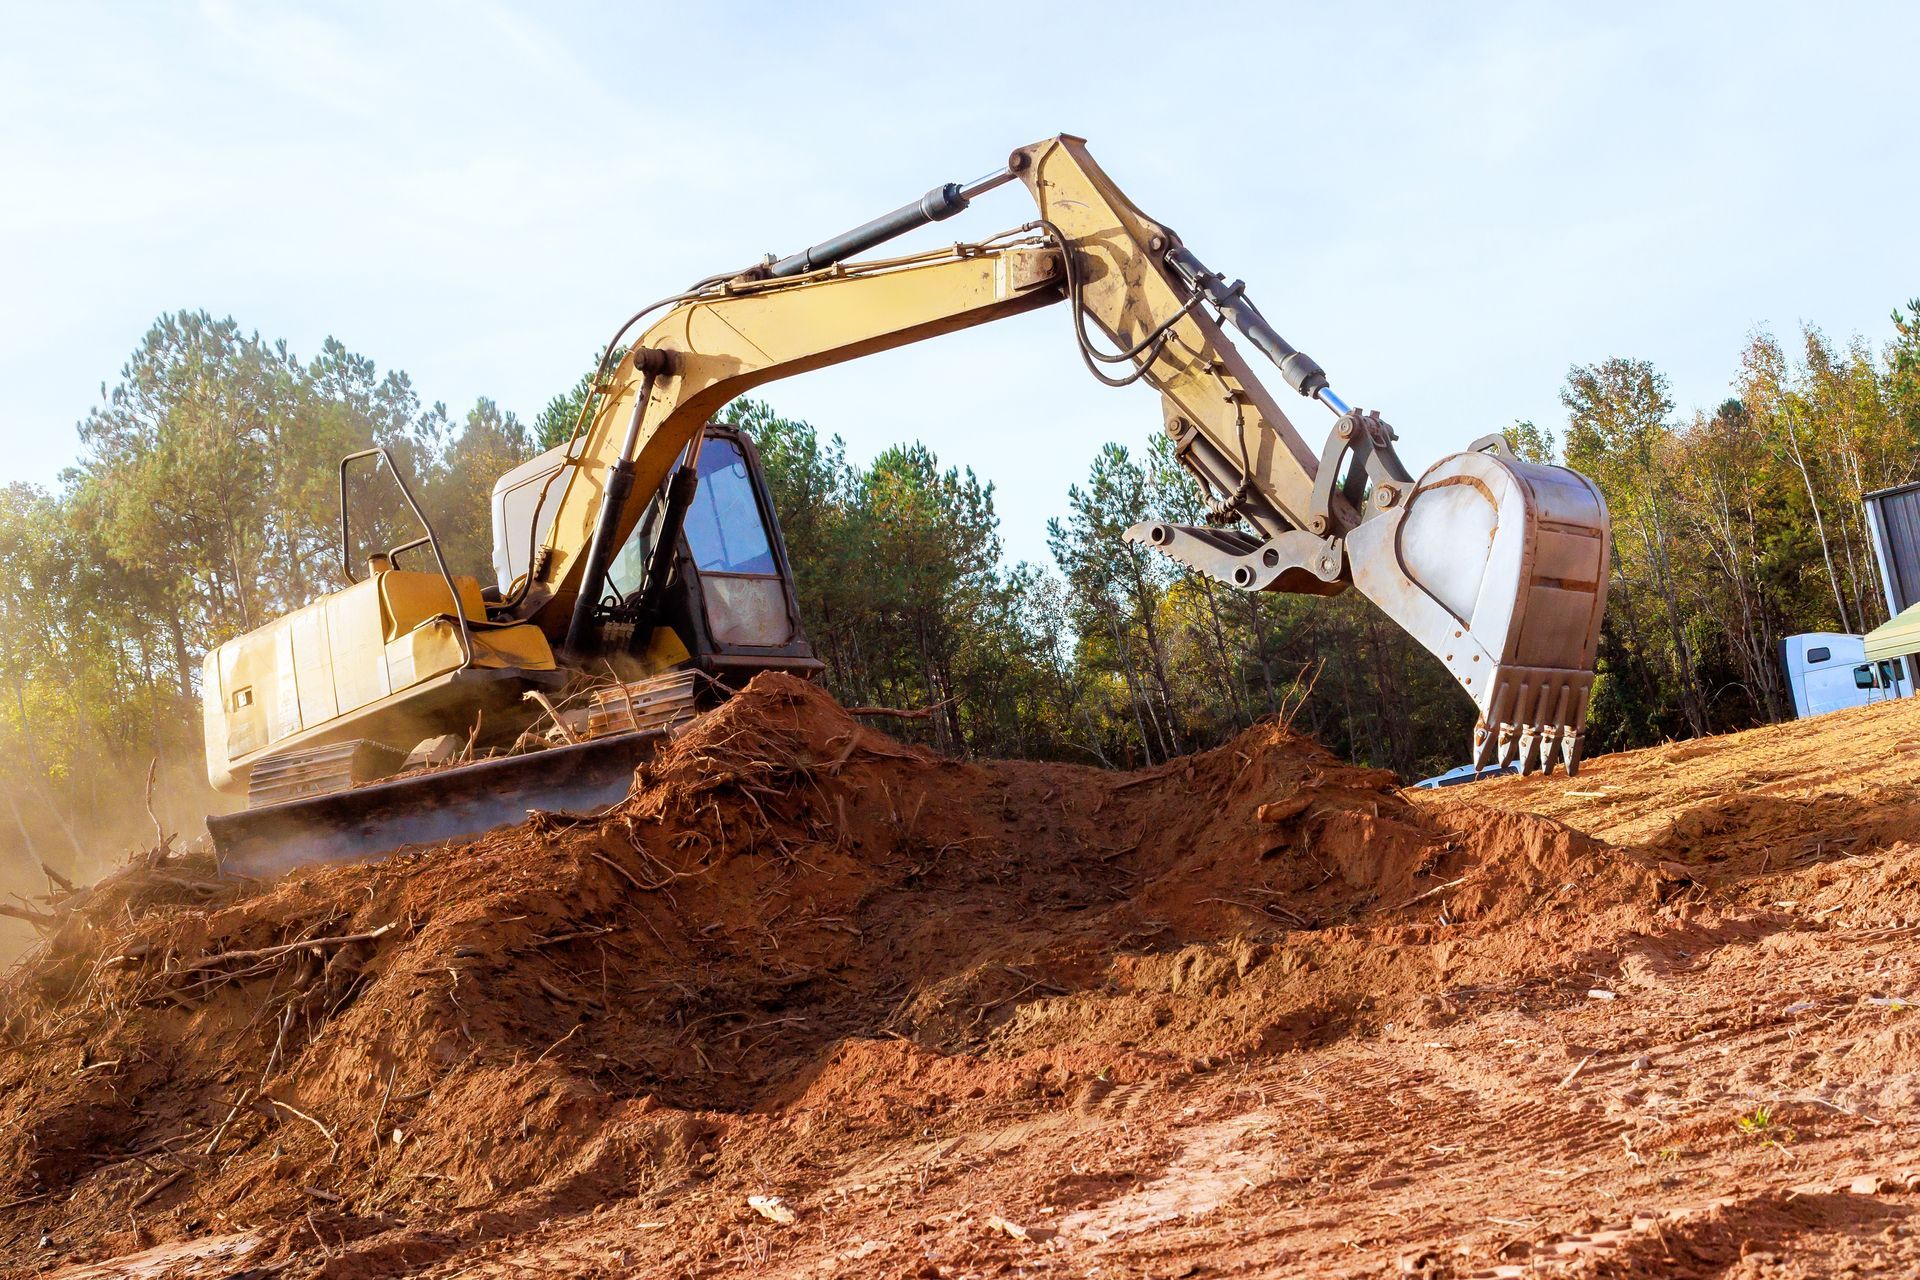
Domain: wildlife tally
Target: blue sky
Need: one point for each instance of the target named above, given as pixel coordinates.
(1446, 205)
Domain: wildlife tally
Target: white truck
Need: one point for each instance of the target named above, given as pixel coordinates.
(1828, 670)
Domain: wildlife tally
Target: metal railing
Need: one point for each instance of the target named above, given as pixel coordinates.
(431, 539)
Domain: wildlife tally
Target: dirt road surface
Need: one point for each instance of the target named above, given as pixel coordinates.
(813, 1003)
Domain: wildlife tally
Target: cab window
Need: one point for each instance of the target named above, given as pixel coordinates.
(629, 567)
(725, 531)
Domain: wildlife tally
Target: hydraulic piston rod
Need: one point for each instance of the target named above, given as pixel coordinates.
(1302, 372)
(935, 206)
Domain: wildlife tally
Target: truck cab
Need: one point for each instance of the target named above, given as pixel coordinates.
(1829, 670)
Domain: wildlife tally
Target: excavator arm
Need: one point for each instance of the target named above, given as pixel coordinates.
(1497, 566)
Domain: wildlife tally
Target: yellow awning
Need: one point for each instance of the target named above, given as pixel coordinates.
(1897, 637)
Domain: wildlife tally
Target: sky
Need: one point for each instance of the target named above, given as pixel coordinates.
(1446, 205)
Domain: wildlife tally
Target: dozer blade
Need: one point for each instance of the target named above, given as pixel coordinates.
(1499, 567)
(449, 804)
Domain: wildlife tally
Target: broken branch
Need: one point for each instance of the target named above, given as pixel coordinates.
(903, 713)
(268, 953)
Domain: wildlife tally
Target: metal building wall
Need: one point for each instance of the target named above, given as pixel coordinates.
(1894, 516)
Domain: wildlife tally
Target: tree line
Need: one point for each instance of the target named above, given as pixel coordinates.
(203, 502)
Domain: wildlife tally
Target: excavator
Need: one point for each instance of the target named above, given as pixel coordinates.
(640, 572)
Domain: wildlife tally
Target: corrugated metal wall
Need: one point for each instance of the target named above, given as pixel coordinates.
(1896, 520)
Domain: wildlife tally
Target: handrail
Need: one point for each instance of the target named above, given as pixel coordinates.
(394, 553)
(432, 540)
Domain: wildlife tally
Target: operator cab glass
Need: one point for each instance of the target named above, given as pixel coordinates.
(725, 530)
(732, 548)
(629, 567)
(744, 595)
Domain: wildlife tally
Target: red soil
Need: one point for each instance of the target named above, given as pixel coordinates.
(982, 1019)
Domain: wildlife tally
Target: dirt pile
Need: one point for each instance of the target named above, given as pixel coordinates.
(801, 961)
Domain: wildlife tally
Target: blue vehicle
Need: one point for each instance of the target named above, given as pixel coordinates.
(1467, 773)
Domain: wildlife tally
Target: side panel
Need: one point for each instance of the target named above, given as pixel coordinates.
(283, 703)
(409, 598)
(430, 649)
(313, 666)
(356, 633)
(213, 722)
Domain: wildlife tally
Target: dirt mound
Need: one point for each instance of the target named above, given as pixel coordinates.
(797, 936)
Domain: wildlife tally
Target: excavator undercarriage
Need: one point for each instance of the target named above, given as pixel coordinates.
(647, 548)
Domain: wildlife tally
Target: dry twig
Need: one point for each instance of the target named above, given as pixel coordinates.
(268, 953)
(324, 1131)
(903, 713)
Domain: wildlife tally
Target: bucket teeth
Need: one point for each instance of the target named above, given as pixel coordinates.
(1549, 738)
(1535, 717)
(1525, 748)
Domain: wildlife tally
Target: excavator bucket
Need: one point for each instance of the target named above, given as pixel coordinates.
(1499, 568)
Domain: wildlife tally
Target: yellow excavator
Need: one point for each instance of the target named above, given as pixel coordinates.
(639, 568)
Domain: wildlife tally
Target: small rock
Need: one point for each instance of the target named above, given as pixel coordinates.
(1280, 810)
(773, 1209)
(1600, 993)
(1033, 1235)
(1643, 1063)
(1868, 1184)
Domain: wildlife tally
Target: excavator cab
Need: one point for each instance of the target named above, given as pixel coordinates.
(677, 624)
(719, 598)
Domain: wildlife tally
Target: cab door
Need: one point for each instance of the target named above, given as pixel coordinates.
(730, 598)
(743, 586)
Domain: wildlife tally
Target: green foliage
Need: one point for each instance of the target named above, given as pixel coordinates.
(1764, 1127)
(1736, 528)
(204, 502)
(1532, 443)
(459, 484)
(555, 423)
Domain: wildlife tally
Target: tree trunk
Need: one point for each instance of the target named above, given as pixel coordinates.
(1819, 522)
(1691, 701)
(182, 666)
(1230, 686)
(1126, 674)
